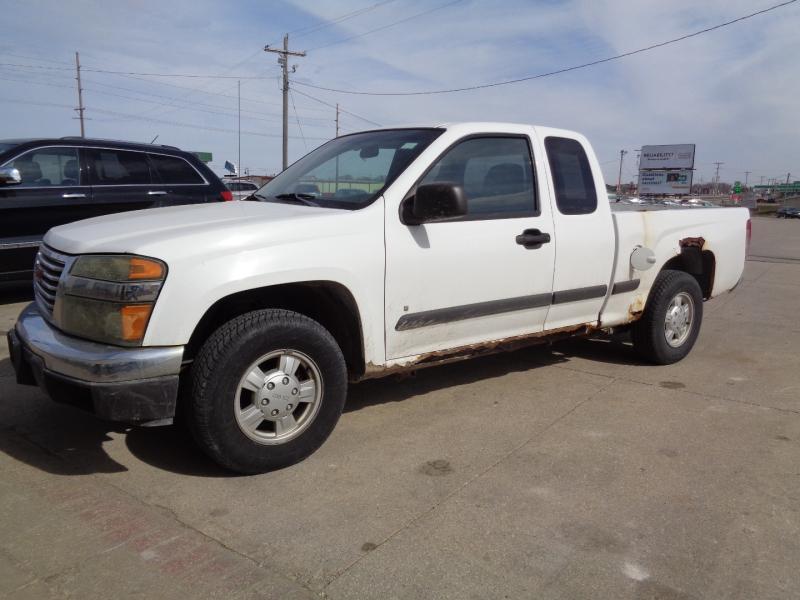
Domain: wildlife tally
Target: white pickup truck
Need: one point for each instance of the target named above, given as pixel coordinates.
(378, 252)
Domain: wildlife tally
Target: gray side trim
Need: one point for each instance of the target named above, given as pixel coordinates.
(470, 311)
(494, 307)
(577, 294)
(625, 286)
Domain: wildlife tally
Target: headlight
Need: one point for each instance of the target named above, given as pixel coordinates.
(110, 298)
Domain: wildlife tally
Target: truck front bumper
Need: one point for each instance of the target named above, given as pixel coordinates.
(135, 385)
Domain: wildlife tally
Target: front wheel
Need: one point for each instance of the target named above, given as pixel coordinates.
(267, 390)
(671, 322)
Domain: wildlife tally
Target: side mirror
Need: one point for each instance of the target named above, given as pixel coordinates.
(9, 176)
(434, 202)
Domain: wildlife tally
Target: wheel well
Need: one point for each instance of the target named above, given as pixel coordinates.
(698, 263)
(329, 303)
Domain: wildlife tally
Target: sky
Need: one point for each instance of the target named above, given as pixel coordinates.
(733, 92)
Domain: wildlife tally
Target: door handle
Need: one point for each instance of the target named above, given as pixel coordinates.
(73, 195)
(532, 239)
(156, 193)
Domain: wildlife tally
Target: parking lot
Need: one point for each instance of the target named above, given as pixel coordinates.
(568, 471)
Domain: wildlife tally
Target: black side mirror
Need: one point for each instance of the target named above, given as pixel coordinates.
(434, 202)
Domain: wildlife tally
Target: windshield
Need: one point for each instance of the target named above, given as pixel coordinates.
(350, 171)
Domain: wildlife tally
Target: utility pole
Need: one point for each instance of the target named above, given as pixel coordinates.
(239, 100)
(716, 179)
(746, 177)
(337, 119)
(622, 154)
(283, 61)
(80, 108)
(788, 177)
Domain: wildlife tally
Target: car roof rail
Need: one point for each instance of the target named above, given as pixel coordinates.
(77, 137)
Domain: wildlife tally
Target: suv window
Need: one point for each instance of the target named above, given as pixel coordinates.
(173, 169)
(119, 167)
(495, 172)
(236, 186)
(48, 167)
(572, 176)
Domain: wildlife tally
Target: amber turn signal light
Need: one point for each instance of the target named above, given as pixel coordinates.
(133, 320)
(143, 268)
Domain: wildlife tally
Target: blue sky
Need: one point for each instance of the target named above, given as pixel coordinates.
(732, 92)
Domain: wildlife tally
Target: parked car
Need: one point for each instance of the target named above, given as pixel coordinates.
(240, 189)
(483, 237)
(49, 182)
(788, 212)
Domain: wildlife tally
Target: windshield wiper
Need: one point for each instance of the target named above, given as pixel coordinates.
(301, 198)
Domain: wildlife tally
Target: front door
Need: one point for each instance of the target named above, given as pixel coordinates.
(53, 191)
(472, 279)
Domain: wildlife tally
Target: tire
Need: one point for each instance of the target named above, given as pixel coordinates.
(233, 416)
(662, 342)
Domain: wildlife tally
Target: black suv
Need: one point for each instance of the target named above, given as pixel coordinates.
(49, 182)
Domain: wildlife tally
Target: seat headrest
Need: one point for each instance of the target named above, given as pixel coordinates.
(71, 170)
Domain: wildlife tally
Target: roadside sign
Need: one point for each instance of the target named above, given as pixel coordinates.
(205, 157)
(737, 187)
(665, 182)
(672, 156)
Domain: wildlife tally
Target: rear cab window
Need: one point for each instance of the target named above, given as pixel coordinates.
(572, 176)
(119, 167)
(175, 170)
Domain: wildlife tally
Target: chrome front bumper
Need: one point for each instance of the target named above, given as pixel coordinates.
(118, 384)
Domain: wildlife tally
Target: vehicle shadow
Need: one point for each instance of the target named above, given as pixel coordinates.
(66, 441)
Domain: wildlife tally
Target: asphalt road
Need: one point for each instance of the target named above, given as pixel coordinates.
(572, 471)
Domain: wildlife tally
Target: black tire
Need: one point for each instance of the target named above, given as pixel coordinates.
(218, 370)
(648, 333)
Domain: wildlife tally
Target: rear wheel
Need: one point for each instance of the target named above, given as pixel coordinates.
(672, 317)
(267, 390)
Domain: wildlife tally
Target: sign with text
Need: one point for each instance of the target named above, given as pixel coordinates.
(675, 156)
(665, 182)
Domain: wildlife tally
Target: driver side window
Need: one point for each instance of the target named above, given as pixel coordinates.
(496, 174)
(48, 167)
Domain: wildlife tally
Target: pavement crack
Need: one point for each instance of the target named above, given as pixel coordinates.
(470, 480)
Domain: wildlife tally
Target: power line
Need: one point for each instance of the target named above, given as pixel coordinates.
(148, 119)
(558, 71)
(356, 13)
(353, 37)
(300, 127)
(188, 105)
(352, 114)
(112, 72)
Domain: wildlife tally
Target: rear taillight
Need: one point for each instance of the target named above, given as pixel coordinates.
(226, 195)
(749, 233)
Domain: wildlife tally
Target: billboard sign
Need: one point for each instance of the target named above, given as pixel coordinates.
(665, 182)
(675, 156)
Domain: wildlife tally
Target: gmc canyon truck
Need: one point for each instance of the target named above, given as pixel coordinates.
(378, 252)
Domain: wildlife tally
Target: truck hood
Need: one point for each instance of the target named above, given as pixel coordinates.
(167, 232)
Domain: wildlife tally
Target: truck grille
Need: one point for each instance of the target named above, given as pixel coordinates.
(46, 275)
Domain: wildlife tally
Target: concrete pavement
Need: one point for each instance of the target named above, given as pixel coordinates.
(572, 471)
